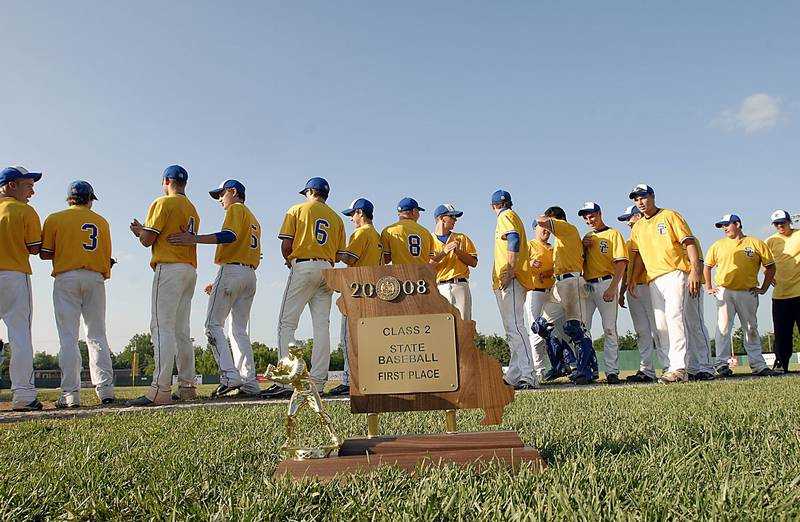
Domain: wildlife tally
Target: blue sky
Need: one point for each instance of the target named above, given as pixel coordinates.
(556, 102)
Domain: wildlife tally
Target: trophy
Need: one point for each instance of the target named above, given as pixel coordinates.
(292, 370)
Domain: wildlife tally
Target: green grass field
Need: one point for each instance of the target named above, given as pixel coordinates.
(720, 449)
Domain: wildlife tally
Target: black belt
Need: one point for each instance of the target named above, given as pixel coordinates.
(598, 279)
(540, 289)
(242, 264)
(564, 276)
(454, 280)
(304, 259)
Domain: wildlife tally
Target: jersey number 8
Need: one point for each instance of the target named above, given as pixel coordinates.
(414, 245)
(92, 229)
(321, 231)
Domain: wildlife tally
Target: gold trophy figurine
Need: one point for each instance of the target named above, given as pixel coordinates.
(292, 370)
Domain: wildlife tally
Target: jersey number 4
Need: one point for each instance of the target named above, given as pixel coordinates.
(92, 243)
(321, 231)
(414, 245)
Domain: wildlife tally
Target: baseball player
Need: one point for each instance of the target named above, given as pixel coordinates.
(641, 310)
(540, 257)
(175, 275)
(406, 242)
(312, 237)
(785, 247)
(606, 259)
(737, 258)
(21, 237)
(78, 241)
(238, 256)
(567, 292)
(454, 254)
(363, 249)
(673, 271)
(511, 280)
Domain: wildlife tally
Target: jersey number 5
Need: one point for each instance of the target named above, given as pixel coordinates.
(414, 245)
(253, 237)
(92, 229)
(321, 231)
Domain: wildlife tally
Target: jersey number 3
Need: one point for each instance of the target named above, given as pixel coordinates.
(92, 243)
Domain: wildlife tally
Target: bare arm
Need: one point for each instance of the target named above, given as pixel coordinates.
(769, 277)
(286, 249)
(545, 222)
(695, 275)
(707, 276)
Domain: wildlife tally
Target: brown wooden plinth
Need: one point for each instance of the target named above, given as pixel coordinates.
(410, 451)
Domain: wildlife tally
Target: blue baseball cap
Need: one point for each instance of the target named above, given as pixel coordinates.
(227, 184)
(409, 204)
(318, 184)
(629, 212)
(780, 216)
(359, 204)
(81, 188)
(641, 190)
(588, 208)
(448, 209)
(727, 219)
(177, 173)
(500, 196)
(15, 173)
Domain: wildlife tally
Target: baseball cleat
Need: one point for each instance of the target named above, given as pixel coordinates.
(276, 392)
(701, 376)
(640, 376)
(34, 405)
(581, 380)
(224, 389)
(673, 377)
(108, 401)
(765, 372)
(524, 386)
(62, 404)
(612, 378)
(724, 371)
(339, 391)
(140, 401)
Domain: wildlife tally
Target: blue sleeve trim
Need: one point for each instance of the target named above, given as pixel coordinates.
(225, 237)
(513, 241)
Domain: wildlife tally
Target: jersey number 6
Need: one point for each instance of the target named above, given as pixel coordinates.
(321, 231)
(92, 229)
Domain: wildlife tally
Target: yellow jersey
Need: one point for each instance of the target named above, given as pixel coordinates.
(643, 279)
(567, 248)
(316, 231)
(79, 239)
(786, 251)
(169, 215)
(408, 242)
(738, 261)
(246, 248)
(659, 241)
(20, 228)
(450, 266)
(508, 221)
(542, 252)
(607, 248)
(365, 246)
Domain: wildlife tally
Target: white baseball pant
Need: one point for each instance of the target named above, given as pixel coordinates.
(608, 316)
(698, 340)
(15, 311)
(306, 286)
(535, 302)
(744, 304)
(345, 351)
(232, 295)
(511, 303)
(76, 294)
(171, 305)
(458, 295)
(644, 324)
(668, 294)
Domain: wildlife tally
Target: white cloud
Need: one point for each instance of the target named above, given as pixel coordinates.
(758, 112)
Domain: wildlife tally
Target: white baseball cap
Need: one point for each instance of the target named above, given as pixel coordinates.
(779, 216)
(588, 208)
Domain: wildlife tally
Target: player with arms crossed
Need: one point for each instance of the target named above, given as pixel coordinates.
(238, 256)
(641, 309)
(785, 247)
(363, 249)
(605, 261)
(665, 248)
(406, 242)
(511, 280)
(78, 240)
(175, 275)
(312, 237)
(738, 258)
(454, 254)
(20, 237)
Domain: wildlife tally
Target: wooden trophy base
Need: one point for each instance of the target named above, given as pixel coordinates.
(409, 451)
